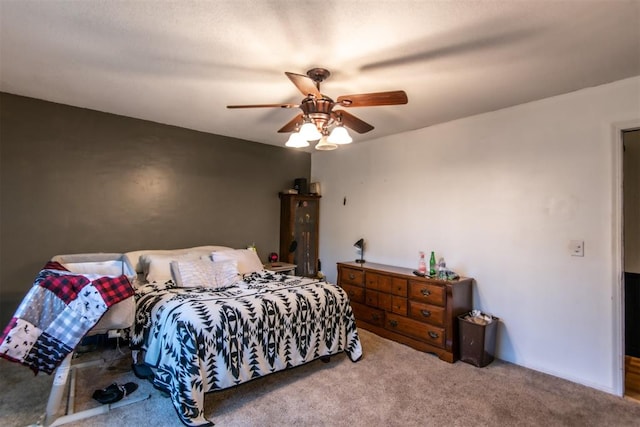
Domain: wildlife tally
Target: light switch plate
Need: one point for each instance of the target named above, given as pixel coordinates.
(576, 247)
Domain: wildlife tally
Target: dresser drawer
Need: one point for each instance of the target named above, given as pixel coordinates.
(422, 331)
(378, 299)
(426, 292)
(378, 282)
(351, 276)
(368, 314)
(399, 287)
(426, 313)
(399, 305)
(386, 302)
(356, 293)
(371, 298)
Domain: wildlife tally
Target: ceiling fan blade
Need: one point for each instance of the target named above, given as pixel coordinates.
(264, 106)
(351, 121)
(291, 126)
(304, 84)
(373, 99)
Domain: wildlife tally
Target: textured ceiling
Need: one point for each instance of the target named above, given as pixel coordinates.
(182, 62)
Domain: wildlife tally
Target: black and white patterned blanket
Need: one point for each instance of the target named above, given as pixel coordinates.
(200, 340)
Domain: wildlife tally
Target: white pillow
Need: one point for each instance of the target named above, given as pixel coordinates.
(247, 259)
(159, 266)
(136, 257)
(204, 273)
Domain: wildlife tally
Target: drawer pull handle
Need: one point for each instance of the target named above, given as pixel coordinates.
(393, 323)
(433, 335)
(351, 293)
(425, 313)
(425, 292)
(375, 316)
(352, 276)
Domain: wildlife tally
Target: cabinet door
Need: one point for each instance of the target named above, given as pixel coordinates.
(299, 232)
(306, 234)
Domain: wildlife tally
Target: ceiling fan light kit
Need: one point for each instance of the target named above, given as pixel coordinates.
(296, 141)
(325, 145)
(310, 132)
(319, 117)
(339, 135)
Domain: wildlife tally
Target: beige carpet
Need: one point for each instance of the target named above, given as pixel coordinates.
(393, 385)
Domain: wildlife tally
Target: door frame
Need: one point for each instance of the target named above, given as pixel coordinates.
(617, 248)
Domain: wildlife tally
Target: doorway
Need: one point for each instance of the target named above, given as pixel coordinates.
(631, 259)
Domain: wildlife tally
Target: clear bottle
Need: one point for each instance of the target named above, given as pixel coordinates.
(442, 269)
(432, 264)
(422, 265)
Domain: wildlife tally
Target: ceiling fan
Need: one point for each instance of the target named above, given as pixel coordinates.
(320, 119)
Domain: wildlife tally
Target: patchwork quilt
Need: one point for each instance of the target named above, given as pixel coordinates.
(57, 312)
(202, 339)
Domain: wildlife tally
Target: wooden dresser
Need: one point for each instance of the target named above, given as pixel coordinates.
(396, 304)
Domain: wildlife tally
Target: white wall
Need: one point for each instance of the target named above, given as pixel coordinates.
(499, 196)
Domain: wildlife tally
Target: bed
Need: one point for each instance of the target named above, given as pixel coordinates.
(209, 318)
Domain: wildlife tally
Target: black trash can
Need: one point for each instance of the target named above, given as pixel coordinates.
(477, 338)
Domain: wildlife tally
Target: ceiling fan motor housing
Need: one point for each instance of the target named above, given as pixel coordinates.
(318, 110)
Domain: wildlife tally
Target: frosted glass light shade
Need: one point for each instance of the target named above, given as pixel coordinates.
(310, 132)
(325, 145)
(296, 141)
(339, 135)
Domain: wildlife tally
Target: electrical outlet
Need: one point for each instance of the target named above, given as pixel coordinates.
(114, 333)
(576, 247)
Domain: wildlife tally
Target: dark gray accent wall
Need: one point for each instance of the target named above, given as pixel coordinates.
(76, 180)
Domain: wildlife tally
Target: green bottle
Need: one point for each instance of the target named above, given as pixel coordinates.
(432, 265)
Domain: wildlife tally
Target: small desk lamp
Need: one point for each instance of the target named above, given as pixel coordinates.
(360, 245)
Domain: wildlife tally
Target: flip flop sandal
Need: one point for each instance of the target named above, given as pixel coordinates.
(114, 392)
(142, 371)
